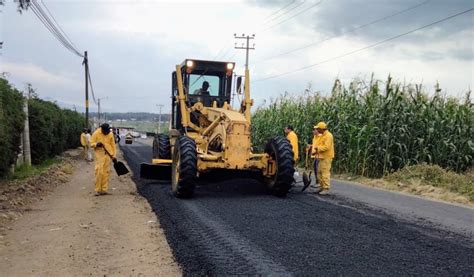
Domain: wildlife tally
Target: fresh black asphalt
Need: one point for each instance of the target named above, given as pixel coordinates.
(235, 227)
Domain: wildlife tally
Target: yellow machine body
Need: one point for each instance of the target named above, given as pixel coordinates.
(221, 136)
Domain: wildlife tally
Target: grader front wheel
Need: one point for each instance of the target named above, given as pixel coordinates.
(279, 148)
(161, 147)
(184, 168)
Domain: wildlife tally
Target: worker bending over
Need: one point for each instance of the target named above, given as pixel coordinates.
(103, 139)
(323, 152)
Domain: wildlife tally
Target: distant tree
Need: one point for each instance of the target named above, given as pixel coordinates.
(22, 5)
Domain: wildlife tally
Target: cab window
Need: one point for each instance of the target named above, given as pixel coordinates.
(195, 83)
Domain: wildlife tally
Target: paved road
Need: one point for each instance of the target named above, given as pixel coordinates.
(235, 227)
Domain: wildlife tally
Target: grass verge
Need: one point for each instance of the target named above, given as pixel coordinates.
(425, 180)
(24, 171)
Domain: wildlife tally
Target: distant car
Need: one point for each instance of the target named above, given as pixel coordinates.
(128, 139)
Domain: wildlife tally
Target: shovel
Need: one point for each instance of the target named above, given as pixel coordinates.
(119, 167)
(306, 176)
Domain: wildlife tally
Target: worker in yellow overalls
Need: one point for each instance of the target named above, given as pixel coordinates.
(323, 152)
(100, 140)
(84, 143)
(293, 138)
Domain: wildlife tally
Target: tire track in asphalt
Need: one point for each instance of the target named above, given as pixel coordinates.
(301, 235)
(225, 237)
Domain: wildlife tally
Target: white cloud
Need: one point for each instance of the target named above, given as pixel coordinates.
(35, 74)
(134, 45)
(48, 84)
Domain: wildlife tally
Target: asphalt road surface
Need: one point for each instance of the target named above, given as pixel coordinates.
(236, 227)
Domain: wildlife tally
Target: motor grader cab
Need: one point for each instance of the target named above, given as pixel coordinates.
(207, 134)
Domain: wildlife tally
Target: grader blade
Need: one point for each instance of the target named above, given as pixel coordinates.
(155, 171)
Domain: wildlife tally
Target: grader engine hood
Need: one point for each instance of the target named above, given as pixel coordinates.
(231, 137)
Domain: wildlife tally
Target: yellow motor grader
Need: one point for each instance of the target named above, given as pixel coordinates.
(207, 134)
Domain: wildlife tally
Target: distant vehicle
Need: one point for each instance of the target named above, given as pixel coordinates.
(128, 139)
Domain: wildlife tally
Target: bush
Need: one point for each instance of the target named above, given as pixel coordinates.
(12, 120)
(378, 129)
(52, 129)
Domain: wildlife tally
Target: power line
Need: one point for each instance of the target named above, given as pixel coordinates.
(219, 53)
(289, 10)
(60, 28)
(37, 13)
(43, 17)
(366, 47)
(279, 10)
(344, 33)
(92, 87)
(63, 34)
(293, 16)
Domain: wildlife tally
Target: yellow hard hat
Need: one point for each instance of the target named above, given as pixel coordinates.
(321, 125)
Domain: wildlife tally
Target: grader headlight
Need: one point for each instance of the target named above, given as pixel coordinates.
(230, 66)
(189, 66)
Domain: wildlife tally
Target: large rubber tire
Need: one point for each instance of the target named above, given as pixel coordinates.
(184, 167)
(161, 147)
(279, 148)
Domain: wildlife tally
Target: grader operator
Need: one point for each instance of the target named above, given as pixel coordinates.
(207, 134)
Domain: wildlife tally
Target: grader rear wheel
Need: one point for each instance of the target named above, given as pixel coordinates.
(279, 148)
(184, 168)
(161, 147)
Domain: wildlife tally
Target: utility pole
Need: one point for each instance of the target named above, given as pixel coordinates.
(247, 101)
(246, 47)
(159, 118)
(26, 130)
(86, 71)
(98, 110)
(98, 107)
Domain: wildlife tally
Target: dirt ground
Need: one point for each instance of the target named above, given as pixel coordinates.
(68, 232)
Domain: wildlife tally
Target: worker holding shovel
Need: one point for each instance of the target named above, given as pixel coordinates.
(323, 152)
(104, 145)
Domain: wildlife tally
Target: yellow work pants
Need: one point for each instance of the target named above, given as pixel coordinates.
(324, 173)
(102, 170)
(84, 152)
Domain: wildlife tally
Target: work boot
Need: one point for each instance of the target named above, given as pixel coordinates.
(318, 190)
(96, 194)
(324, 192)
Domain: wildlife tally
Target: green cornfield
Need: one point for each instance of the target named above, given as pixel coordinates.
(378, 127)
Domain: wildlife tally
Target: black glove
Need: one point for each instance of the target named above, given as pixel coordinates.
(99, 144)
(114, 160)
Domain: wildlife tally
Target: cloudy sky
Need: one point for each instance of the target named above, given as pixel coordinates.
(134, 45)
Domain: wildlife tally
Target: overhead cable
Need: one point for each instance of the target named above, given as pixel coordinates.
(343, 33)
(366, 47)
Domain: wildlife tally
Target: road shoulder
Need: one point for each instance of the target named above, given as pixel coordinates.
(72, 232)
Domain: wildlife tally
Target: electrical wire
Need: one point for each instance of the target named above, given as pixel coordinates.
(46, 21)
(219, 53)
(91, 86)
(36, 12)
(291, 17)
(63, 36)
(343, 33)
(57, 23)
(279, 10)
(288, 11)
(366, 47)
(54, 29)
